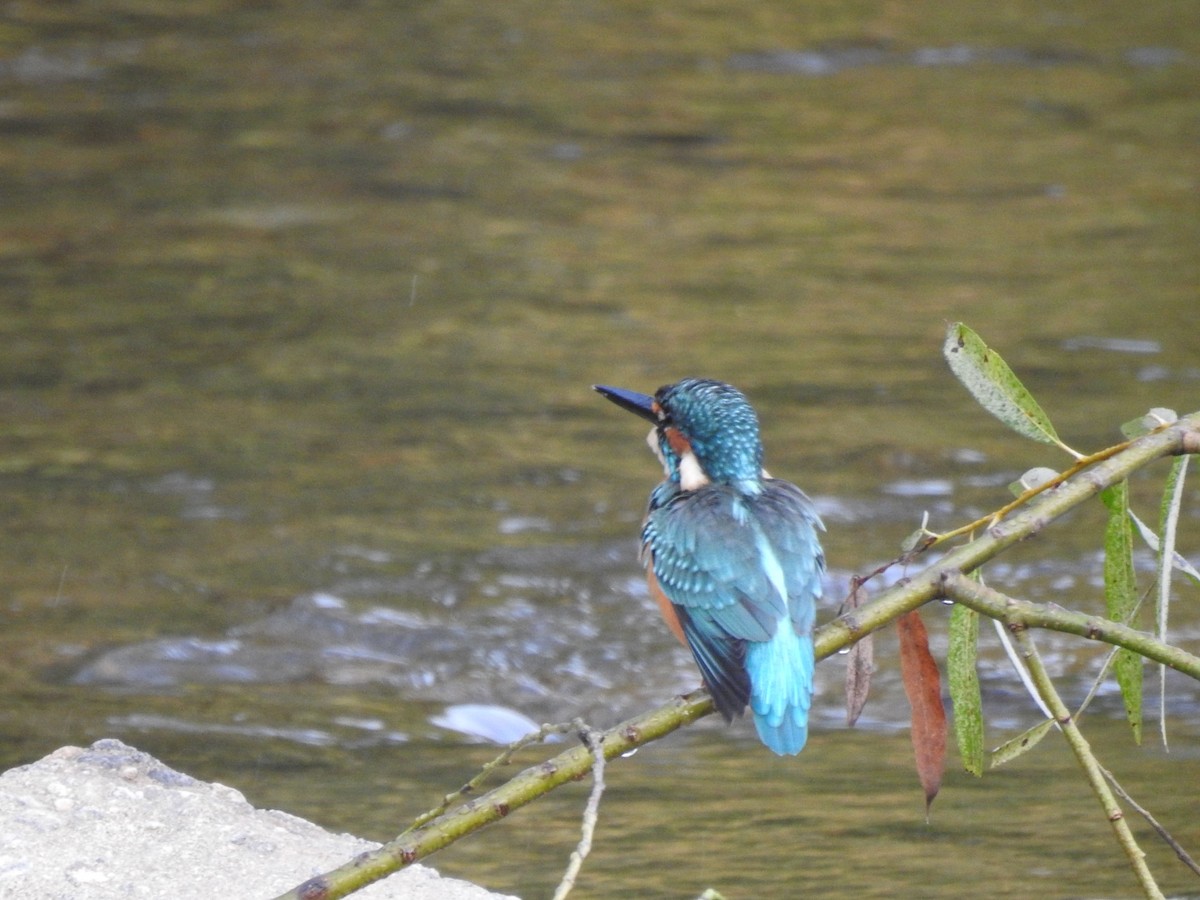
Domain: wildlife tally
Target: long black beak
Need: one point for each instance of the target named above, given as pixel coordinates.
(640, 404)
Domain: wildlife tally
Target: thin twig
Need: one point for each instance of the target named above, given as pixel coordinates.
(1183, 855)
(496, 804)
(1087, 761)
(1080, 464)
(475, 783)
(591, 813)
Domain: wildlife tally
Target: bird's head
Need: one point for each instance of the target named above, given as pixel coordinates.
(705, 432)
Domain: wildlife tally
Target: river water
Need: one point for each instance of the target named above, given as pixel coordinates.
(300, 467)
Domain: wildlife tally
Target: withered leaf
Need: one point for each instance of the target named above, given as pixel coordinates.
(923, 685)
(860, 663)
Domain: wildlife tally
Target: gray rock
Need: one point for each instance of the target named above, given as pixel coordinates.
(112, 822)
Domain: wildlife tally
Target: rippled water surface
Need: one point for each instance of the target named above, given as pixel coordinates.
(303, 487)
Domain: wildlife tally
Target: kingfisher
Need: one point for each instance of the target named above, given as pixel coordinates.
(731, 555)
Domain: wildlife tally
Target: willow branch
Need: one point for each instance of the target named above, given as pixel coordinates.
(432, 835)
(1181, 437)
(1080, 464)
(1087, 761)
(1024, 614)
(464, 792)
(498, 803)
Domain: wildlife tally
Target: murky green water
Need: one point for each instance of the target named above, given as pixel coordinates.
(299, 300)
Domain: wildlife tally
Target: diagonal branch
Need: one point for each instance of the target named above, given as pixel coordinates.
(1087, 761)
(1181, 437)
(493, 806)
(1022, 613)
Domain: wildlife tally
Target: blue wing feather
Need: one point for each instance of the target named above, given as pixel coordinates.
(722, 662)
(736, 566)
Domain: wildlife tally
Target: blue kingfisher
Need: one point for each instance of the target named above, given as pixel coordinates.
(731, 555)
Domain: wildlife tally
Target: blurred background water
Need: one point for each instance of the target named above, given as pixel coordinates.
(302, 481)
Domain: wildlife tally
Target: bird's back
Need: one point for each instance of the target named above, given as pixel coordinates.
(743, 572)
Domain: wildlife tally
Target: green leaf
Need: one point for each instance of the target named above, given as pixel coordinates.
(1010, 750)
(1120, 596)
(993, 384)
(964, 687)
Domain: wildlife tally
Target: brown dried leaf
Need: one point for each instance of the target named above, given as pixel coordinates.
(923, 685)
(860, 664)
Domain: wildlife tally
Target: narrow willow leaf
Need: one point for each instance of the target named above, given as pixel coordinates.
(1168, 519)
(993, 384)
(1120, 596)
(923, 687)
(1177, 561)
(1010, 750)
(1019, 667)
(963, 676)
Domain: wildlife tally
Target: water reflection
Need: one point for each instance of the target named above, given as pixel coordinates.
(557, 632)
(299, 313)
(832, 60)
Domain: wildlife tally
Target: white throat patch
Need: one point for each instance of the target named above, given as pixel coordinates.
(652, 440)
(691, 476)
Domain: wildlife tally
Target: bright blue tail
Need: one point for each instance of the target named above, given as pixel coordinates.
(781, 687)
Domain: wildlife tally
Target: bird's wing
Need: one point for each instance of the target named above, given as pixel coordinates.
(729, 569)
(791, 523)
(707, 554)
